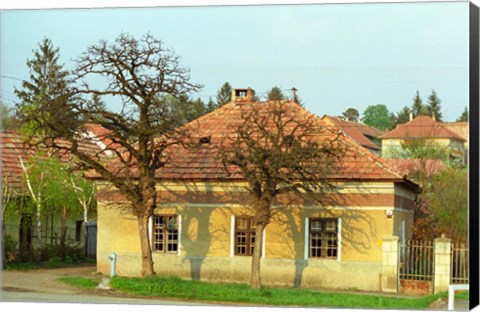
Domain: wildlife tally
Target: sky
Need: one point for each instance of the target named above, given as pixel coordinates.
(337, 55)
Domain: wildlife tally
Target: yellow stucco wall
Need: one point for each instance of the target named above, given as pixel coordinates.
(206, 246)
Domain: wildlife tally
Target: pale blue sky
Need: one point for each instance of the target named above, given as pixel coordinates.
(337, 55)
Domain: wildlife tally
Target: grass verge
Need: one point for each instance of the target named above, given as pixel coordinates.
(174, 287)
(81, 282)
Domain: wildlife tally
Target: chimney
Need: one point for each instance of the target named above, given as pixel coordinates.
(243, 95)
(411, 116)
(433, 117)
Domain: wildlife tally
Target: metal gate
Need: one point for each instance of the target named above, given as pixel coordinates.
(416, 267)
(90, 239)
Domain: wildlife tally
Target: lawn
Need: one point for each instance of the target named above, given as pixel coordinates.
(174, 287)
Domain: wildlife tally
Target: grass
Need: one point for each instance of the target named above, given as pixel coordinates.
(81, 282)
(174, 287)
(53, 262)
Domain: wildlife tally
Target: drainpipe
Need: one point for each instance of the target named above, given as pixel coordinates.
(113, 264)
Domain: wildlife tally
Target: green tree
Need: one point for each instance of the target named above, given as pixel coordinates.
(224, 95)
(351, 114)
(8, 119)
(403, 116)
(418, 109)
(275, 94)
(377, 116)
(48, 85)
(448, 206)
(211, 106)
(140, 132)
(433, 108)
(464, 115)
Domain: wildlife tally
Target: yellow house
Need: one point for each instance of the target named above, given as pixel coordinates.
(423, 130)
(202, 227)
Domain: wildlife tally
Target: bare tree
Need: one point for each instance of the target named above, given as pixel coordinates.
(285, 155)
(137, 72)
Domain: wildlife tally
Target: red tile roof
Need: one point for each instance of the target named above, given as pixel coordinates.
(421, 127)
(202, 162)
(13, 146)
(408, 166)
(357, 131)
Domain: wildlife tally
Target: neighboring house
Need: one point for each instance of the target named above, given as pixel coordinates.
(414, 167)
(202, 227)
(461, 128)
(366, 136)
(20, 222)
(100, 136)
(425, 131)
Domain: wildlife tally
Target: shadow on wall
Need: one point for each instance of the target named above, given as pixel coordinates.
(204, 223)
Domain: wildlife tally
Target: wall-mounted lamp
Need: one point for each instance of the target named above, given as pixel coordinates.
(389, 213)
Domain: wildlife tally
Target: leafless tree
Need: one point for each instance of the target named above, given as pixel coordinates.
(137, 72)
(286, 156)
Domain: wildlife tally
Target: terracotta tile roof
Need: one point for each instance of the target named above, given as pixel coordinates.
(357, 131)
(460, 128)
(421, 127)
(100, 136)
(202, 163)
(408, 166)
(13, 146)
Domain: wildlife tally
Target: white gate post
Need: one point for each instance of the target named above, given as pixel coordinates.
(443, 249)
(390, 264)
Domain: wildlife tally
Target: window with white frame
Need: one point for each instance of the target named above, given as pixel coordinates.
(323, 238)
(165, 233)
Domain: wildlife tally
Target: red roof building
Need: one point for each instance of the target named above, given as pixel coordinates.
(425, 130)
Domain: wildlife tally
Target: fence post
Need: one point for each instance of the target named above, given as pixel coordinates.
(443, 249)
(389, 278)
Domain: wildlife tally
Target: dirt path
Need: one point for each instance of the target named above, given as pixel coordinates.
(43, 280)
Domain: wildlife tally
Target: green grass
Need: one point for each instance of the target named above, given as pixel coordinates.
(81, 282)
(174, 287)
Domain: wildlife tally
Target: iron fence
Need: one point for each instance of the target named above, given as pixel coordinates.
(416, 260)
(459, 263)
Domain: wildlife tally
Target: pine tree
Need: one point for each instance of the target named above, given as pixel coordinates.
(48, 84)
(433, 106)
(403, 116)
(275, 94)
(464, 115)
(224, 95)
(418, 109)
(211, 106)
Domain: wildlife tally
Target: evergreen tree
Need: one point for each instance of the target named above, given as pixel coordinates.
(403, 116)
(433, 106)
(224, 95)
(48, 84)
(275, 94)
(418, 109)
(464, 115)
(211, 106)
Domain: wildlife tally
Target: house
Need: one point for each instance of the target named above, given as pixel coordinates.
(202, 227)
(423, 131)
(20, 219)
(366, 136)
(462, 129)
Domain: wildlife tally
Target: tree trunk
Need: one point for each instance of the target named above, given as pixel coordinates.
(63, 233)
(255, 279)
(147, 260)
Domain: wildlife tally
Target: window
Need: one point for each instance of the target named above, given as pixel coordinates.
(165, 233)
(323, 238)
(244, 236)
